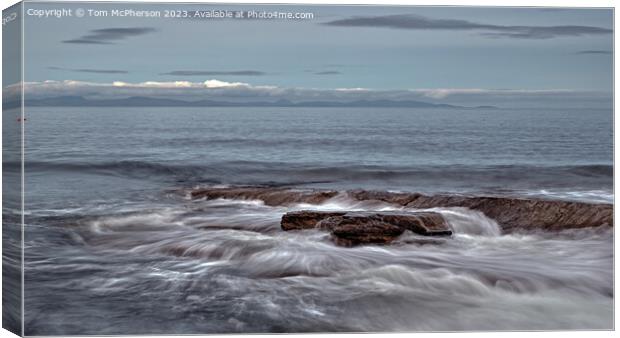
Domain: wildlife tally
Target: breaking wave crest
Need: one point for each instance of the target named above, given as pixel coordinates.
(469, 222)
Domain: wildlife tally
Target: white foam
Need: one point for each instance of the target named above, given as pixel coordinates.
(465, 221)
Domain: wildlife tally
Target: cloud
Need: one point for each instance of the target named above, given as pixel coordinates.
(94, 71)
(108, 36)
(224, 84)
(442, 93)
(152, 84)
(86, 42)
(418, 22)
(328, 72)
(214, 73)
(581, 52)
(214, 89)
(210, 84)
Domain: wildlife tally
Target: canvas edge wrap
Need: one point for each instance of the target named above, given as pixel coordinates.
(12, 169)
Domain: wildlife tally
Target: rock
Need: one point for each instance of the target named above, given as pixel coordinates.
(511, 213)
(350, 231)
(383, 196)
(305, 219)
(354, 228)
(420, 222)
(528, 214)
(270, 196)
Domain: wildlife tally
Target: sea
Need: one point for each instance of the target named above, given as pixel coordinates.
(115, 245)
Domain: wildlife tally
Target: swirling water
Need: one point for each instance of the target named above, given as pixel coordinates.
(114, 245)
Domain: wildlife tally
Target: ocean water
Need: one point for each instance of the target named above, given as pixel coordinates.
(115, 246)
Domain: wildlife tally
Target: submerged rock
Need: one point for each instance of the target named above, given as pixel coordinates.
(354, 228)
(305, 219)
(511, 213)
(269, 196)
(363, 230)
(420, 222)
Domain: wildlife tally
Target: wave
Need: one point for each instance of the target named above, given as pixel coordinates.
(177, 260)
(232, 258)
(469, 222)
(316, 172)
(592, 170)
(139, 169)
(591, 183)
(462, 221)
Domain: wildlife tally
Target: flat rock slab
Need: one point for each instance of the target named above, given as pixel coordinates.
(355, 228)
(270, 196)
(513, 214)
(300, 220)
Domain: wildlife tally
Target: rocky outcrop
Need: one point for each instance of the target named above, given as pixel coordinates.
(355, 228)
(510, 213)
(301, 220)
(514, 213)
(383, 196)
(270, 196)
(350, 232)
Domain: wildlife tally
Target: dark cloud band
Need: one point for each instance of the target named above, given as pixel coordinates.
(94, 71)
(328, 72)
(606, 52)
(417, 22)
(108, 36)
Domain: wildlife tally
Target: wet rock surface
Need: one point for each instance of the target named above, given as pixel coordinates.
(350, 232)
(355, 228)
(270, 196)
(307, 219)
(511, 213)
(528, 214)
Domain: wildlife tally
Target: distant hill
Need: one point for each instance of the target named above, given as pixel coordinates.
(79, 101)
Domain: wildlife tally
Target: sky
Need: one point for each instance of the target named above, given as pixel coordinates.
(458, 55)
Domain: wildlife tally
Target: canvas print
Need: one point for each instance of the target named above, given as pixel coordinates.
(213, 168)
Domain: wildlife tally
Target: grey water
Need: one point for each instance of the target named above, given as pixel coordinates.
(115, 246)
